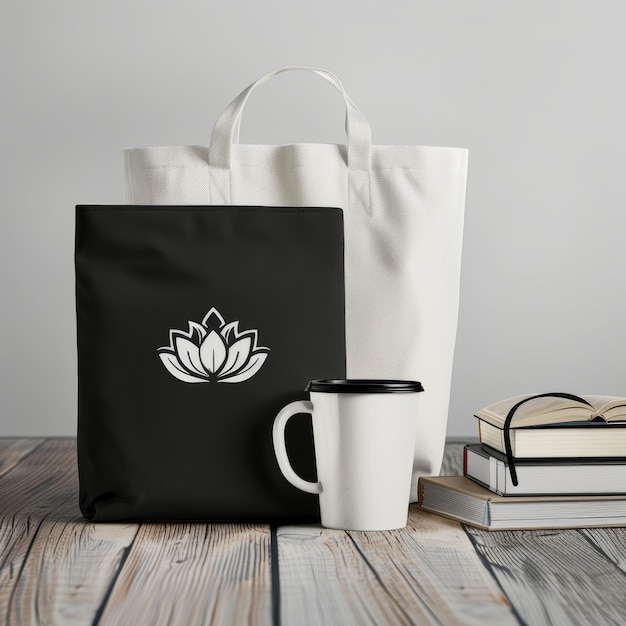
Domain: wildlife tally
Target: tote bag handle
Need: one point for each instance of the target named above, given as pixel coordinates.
(226, 130)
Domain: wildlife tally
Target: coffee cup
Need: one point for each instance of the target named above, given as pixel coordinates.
(364, 438)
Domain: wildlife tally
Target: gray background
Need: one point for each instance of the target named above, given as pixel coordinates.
(534, 89)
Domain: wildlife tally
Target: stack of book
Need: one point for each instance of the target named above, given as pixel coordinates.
(545, 461)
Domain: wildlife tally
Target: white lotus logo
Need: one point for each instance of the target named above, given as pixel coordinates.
(213, 351)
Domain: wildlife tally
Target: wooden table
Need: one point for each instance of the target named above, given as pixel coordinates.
(56, 568)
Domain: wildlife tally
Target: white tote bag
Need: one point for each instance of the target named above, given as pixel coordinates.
(403, 211)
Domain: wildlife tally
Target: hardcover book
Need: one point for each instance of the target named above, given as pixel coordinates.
(567, 476)
(556, 425)
(463, 500)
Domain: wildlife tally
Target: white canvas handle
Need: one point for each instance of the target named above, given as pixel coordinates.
(226, 130)
(325, 75)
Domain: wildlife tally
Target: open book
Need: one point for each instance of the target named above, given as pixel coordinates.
(547, 410)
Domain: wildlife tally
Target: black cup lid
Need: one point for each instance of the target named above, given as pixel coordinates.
(364, 385)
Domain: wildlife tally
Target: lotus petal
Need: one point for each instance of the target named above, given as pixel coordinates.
(200, 330)
(253, 366)
(175, 334)
(188, 354)
(213, 352)
(230, 329)
(253, 334)
(213, 319)
(238, 354)
(174, 367)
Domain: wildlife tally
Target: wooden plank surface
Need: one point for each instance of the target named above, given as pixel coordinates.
(12, 451)
(55, 568)
(556, 576)
(70, 568)
(217, 574)
(609, 541)
(427, 573)
(31, 491)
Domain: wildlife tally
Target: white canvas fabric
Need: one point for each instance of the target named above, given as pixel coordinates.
(403, 211)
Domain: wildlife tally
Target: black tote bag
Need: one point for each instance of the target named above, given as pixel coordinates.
(196, 324)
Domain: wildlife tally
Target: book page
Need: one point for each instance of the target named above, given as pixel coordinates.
(544, 410)
(613, 408)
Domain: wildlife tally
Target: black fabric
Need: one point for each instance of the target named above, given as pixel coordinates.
(154, 447)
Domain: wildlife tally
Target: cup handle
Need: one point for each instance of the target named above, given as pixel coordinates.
(280, 448)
